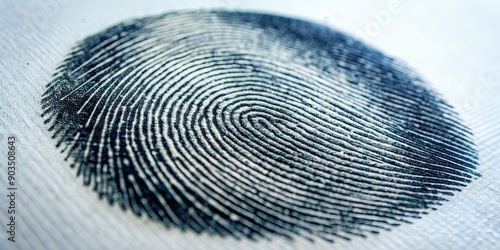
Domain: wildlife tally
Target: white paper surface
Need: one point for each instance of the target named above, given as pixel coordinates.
(453, 44)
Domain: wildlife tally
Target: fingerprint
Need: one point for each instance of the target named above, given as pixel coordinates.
(253, 126)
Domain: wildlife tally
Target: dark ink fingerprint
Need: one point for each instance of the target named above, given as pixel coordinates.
(253, 125)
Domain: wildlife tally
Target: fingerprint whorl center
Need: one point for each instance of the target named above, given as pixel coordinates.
(253, 125)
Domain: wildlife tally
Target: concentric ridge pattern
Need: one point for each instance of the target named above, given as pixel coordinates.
(254, 125)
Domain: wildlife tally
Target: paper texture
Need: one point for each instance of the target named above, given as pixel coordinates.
(453, 45)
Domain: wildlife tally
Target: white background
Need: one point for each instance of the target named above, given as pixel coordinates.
(453, 44)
